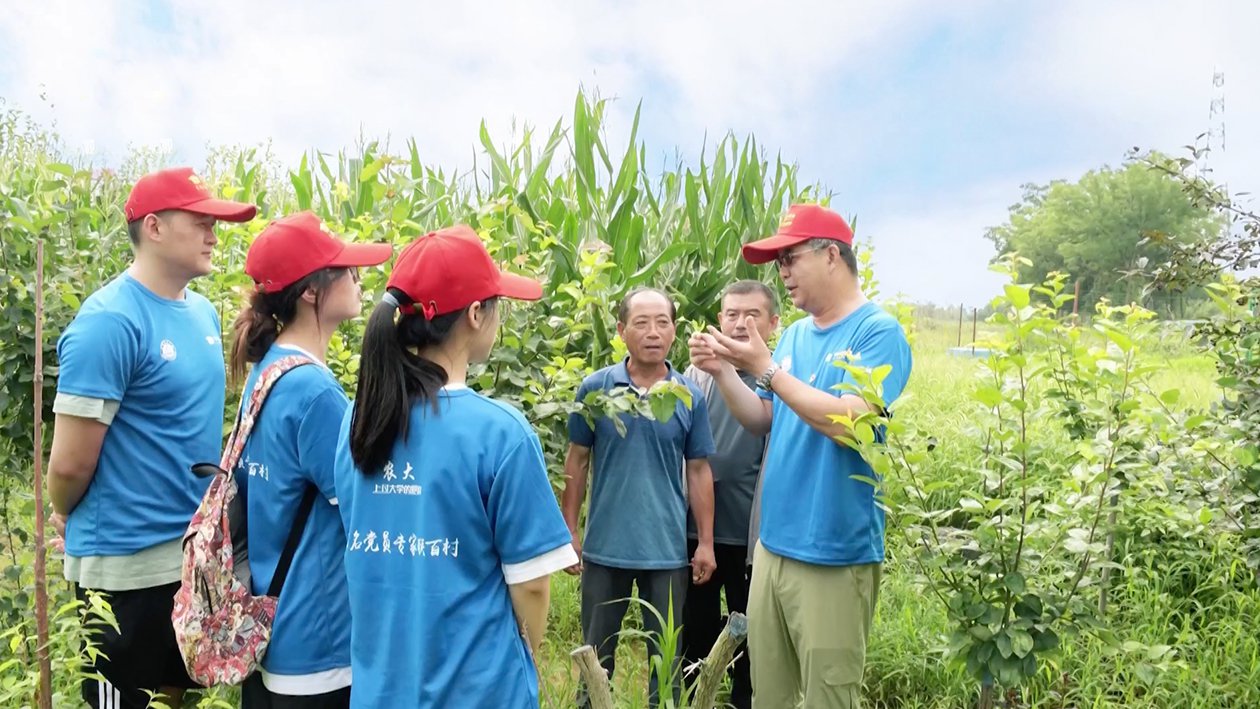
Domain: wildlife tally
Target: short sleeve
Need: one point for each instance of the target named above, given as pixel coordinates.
(699, 442)
(317, 439)
(580, 431)
(98, 354)
(885, 345)
(525, 520)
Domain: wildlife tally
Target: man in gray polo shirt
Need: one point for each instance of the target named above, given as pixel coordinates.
(636, 528)
(736, 465)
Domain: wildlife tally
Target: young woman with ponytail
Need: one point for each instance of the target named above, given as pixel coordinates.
(306, 284)
(452, 527)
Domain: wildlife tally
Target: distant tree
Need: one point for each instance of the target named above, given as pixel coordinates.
(1098, 229)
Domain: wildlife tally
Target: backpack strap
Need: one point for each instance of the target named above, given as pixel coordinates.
(291, 544)
(247, 415)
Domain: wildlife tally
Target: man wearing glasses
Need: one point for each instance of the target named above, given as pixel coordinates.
(817, 565)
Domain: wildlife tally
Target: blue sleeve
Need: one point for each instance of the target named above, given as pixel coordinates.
(580, 432)
(317, 439)
(886, 345)
(344, 470)
(699, 442)
(525, 519)
(98, 354)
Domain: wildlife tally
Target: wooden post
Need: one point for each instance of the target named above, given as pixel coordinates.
(593, 676)
(44, 698)
(960, 317)
(975, 312)
(714, 667)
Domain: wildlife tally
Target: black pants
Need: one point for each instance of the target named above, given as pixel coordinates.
(255, 695)
(141, 654)
(605, 599)
(703, 620)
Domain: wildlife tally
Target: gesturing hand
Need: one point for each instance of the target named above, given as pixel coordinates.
(752, 356)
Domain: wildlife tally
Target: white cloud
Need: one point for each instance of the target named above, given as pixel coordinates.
(318, 73)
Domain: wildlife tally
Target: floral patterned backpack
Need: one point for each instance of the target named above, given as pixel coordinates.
(222, 628)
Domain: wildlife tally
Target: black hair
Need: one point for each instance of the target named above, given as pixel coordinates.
(750, 286)
(846, 251)
(266, 314)
(134, 227)
(393, 378)
(623, 308)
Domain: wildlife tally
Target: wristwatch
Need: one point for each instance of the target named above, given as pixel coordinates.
(763, 382)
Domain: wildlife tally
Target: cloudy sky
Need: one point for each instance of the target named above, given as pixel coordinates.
(923, 118)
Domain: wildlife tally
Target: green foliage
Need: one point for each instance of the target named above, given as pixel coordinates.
(1052, 448)
(1097, 229)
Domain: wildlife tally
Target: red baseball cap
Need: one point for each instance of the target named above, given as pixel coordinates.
(801, 223)
(449, 269)
(293, 247)
(180, 188)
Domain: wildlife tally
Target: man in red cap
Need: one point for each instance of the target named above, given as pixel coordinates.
(817, 564)
(140, 399)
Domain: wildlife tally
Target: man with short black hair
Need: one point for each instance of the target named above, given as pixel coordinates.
(817, 564)
(636, 524)
(736, 465)
(140, 398)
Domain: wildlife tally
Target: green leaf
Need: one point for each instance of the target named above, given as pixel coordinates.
(1017, 294)
(1014, 582)
(1029, 607)
(663, 407)
(370, 171)
(988, 394)
(1021, 642)
(1004, 644)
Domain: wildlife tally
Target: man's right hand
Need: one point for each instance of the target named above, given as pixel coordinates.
(576, 569)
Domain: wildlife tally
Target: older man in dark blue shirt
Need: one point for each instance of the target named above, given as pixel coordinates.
(636, 529)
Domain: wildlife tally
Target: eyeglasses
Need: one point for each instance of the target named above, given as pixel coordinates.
(785, 259)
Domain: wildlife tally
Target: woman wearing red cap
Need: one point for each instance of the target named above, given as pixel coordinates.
(306, 285)
(452, 527)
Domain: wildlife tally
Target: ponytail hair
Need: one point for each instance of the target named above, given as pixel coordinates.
(393, 377)
(265, 315)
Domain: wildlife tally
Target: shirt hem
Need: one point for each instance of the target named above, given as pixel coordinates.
(821, 560)
(635, 565)
(307, 684)
(726, 541)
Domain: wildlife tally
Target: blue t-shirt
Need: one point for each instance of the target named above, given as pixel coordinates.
(428, 536)
(162, 360)
(290, 448)
(637, 517)
(812, 509)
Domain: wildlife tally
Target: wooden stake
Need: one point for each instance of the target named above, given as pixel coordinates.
(975, 313)
(44, 698)
(960, 317)
(593, 676)
(714, 667)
